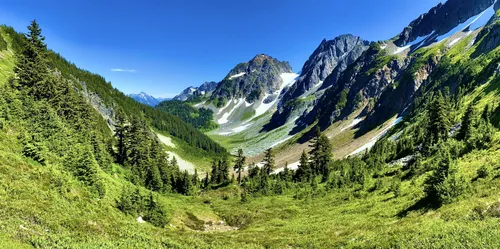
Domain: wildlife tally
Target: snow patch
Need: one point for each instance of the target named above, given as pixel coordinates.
(383, 46)
(225, 116)
(236, 76)
(281, 141)
(354, 123)
(374, 140)
(420, 40)
(248, 104)
(471, 24)
(223, 108)
(293, 166)
(288, 79)
(183, 164)
(166, 140)
(454, 41)
(200, 104)
(241, 128)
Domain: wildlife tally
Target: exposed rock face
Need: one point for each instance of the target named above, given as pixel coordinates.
(206, 89)
(334, 54)
(442, 19)
(489, 37)
(331, 57)
(251, 80)
(96, 102)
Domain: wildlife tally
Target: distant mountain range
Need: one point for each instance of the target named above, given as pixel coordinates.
(147, 99)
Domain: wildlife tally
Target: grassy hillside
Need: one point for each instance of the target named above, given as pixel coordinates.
(68, 181)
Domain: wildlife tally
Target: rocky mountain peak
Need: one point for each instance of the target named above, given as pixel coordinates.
(441, 19)
(251, 80)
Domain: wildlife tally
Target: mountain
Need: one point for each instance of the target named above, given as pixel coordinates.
(146, 99)
(401, 139)
(331, 56)
(384, 81)
(191, 93)
(252, 81)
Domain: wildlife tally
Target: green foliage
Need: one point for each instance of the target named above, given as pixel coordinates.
(484, 171)
(269, 162)
(247, 115)
(321, 155)
(445, 184)
(3, 43)
(239, 164)
(201, 118)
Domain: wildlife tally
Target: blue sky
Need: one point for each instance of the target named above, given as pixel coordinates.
(163, 46)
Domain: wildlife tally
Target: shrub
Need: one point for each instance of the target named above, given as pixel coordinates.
(483, 172)
(452, 187)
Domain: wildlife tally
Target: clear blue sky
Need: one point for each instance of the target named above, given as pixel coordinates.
(163, 46)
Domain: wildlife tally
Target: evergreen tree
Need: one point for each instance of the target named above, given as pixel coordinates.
(120, 134)
(125, 202)
(269, 163)
(240, 164)
(304, 172)
(206, 182)
(321, 155)
(196, 179)
(439, 120)
(253, 170)
(156, 214)
(468, 122)
(444, 184)
(31, 68)
(153, 178)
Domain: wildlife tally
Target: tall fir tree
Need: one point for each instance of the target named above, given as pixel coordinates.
(439, 120)
(269, 162)
(321, 155)
(304, 172)
(240, 164)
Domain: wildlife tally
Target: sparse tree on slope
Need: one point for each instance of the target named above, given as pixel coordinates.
(240, 164)
(269, 163)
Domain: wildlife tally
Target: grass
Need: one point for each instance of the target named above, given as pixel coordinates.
(247, 115)
(7, 60)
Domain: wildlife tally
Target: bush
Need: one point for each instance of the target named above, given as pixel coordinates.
(452, 187)
(483, 172)
(395, 187)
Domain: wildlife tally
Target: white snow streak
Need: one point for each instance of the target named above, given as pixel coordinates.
(236, 76)
(374, 140)
(354, 123)
(224, 118)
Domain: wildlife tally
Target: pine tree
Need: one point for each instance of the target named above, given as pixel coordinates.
(253, 170)
(269, 163)
(32, 69)
(196, 179)
(156, 214)
(206, 181)
(153, 178)
(439, 120)
(120, 134)
(304, 172)
(173, 163)
(321, 155)
(468, 122)
(240, 164)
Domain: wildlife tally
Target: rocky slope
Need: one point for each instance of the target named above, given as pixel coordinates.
(442, 19)
(331, 56)
(259, 78)
(205, 90)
